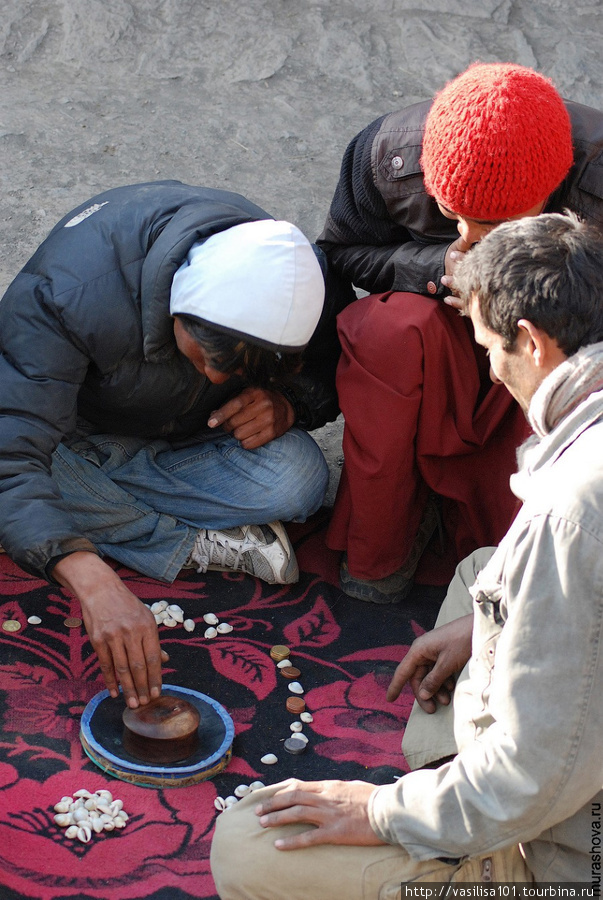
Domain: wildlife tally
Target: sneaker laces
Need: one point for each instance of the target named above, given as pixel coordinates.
(214, 548)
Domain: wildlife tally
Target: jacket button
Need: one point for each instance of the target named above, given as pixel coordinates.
(432, 287)
(397, 162)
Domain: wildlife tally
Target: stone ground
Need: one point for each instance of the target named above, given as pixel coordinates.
(259, 96)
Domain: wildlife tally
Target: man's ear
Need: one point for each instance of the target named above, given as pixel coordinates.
(544, 350)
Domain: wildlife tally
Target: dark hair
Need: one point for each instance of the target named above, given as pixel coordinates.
(227, 353)
(547, 269)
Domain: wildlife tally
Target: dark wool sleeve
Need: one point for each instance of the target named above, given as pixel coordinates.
(362, 240)
(357, 210)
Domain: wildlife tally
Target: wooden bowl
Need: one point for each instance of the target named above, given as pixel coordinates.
(166, 730)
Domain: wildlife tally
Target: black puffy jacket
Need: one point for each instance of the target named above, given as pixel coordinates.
(85, 331)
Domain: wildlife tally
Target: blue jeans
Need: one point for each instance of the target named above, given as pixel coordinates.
(142, 502)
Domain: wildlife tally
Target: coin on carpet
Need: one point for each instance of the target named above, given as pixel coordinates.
(294, 745)
(279, 652)
(290, 672)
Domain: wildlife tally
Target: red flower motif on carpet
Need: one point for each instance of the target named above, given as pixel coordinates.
(166, 838)
(46, 705)
(357, 722)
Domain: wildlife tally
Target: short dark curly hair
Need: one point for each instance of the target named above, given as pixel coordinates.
(547, 269)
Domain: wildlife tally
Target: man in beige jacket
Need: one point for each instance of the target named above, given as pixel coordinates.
(517, 801)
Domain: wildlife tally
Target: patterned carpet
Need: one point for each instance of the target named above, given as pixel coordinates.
(346, 652)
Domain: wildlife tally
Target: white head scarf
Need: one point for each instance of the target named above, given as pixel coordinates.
(259, 280)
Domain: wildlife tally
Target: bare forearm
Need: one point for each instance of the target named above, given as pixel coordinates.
(121, 629)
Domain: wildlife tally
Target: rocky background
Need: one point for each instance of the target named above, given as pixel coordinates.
(255, 96)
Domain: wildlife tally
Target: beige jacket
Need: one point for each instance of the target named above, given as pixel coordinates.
(529, 722)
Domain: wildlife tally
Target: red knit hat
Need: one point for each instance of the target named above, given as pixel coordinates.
(497, 141)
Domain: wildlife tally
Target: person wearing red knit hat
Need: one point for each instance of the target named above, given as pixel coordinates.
(497, 142)
(428, 439)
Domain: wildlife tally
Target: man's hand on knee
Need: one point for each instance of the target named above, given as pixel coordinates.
(336, 810)
(254, 417)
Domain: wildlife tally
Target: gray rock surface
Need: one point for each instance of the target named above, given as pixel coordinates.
(259, 96)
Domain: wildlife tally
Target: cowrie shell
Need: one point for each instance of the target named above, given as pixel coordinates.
(63, 820)
(159, 606)
(62, 807)
(80, 814)
(256, 785)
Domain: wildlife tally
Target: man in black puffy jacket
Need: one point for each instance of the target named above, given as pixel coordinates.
(151, 377)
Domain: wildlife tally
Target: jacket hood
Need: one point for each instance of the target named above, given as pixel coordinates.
(192, 223)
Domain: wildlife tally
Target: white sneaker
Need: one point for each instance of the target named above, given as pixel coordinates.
(261, 550)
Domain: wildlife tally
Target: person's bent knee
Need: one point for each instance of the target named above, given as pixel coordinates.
(303, 477)
(261, 872)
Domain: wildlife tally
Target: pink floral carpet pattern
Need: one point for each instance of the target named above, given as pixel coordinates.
(346, 652)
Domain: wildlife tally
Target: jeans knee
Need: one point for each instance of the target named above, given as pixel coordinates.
(301, 489)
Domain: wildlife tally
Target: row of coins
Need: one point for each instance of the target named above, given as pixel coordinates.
(296, 705)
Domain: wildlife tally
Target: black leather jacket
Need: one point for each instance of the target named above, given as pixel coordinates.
(384, 232)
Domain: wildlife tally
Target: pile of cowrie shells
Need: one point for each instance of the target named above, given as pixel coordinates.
(222, 803)
(170, 615)
(88, 813)
(215, 626)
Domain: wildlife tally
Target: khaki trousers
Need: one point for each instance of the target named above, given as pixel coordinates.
(431, 737)
(247, 866)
